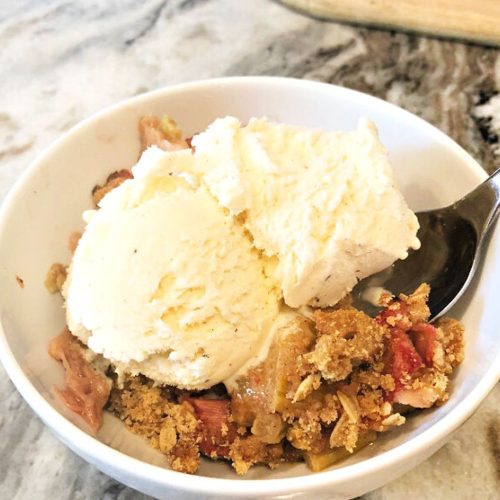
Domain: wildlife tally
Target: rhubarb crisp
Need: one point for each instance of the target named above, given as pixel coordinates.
(332, 379)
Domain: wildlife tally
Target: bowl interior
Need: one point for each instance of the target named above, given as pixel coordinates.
(46, 206)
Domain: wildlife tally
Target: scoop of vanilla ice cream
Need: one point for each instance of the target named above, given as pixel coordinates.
(323, 205)
(165, 283)
(181, 273)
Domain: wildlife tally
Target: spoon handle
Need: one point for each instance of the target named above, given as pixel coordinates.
(481, 205)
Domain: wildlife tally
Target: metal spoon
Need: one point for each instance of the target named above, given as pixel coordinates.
(451, 242)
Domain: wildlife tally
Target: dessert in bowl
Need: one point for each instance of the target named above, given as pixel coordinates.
(56, 190)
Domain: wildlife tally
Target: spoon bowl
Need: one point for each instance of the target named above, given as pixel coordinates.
(452, 239)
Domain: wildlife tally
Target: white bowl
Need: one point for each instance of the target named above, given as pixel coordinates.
(46, 204)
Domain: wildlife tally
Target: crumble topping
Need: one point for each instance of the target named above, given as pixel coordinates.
(346, 338)
(153, 412)
(73, 240)
(298, 404)
(250, 450)
(449, 336)
(56, 276)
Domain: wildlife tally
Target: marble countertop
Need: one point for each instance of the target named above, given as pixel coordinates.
(62, 60)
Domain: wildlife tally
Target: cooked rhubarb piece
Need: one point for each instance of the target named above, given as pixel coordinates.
(423, 337)
(281, 369)
(319, 461)
(73, 240)
(86, 391)
(271, 386)
(424, 391)
(416, 353)
(163, 133)
(217, 432)
(401, 358)
(113, 180)
(269, 428)
(250, 397)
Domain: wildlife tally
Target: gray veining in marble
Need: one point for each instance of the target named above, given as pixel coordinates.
(62, 60)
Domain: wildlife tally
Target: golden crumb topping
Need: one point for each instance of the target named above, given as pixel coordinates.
(325, 389)
(151, 412)
(55, 278)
